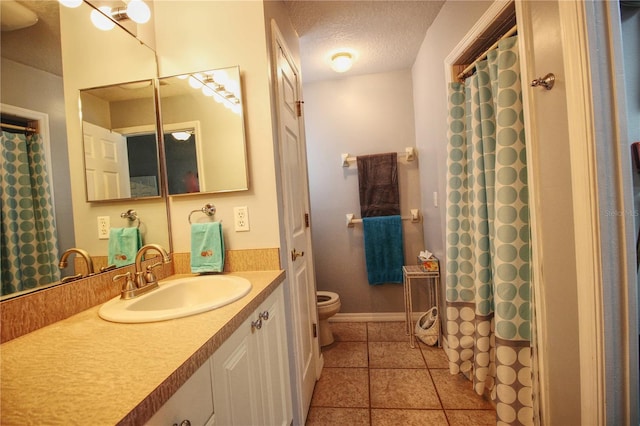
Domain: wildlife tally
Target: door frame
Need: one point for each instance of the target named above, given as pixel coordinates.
(602, 180)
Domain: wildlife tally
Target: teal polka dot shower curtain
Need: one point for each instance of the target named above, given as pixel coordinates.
(29, 248)
(488, 277)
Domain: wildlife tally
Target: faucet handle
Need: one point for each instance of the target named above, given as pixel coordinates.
(129, 284)
(150, 276)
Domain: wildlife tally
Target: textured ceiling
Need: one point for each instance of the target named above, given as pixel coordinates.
(37, 46)
(385, 34)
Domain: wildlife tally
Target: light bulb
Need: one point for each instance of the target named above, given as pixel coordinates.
(101, 21)
(341, 62)
(70, 3)
(138, 11)
(207, 90)
(195, 82)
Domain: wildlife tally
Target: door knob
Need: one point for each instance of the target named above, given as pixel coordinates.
(547, 81)
(295, 254)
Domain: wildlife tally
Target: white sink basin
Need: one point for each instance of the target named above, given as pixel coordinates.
(177, 298)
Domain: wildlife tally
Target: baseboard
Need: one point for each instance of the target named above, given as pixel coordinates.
(368, 317)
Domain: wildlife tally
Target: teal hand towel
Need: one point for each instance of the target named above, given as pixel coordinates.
(383, 249)
(124, 244)
(207, 247)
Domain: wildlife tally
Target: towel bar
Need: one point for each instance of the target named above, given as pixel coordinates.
(208, 209)
(415, 217)
(409, 152)
(131, 215)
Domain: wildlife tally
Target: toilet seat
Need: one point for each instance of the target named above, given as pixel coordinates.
(326, 298)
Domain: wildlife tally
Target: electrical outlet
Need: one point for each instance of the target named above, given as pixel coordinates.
(241, 218)
(103, 227)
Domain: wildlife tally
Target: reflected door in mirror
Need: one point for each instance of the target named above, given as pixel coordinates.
(120, 143)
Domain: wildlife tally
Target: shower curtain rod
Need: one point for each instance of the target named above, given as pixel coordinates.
(24, 128)
(486, 52)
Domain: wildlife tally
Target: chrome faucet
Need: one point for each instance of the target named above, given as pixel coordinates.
(144, 280)
(80, 252)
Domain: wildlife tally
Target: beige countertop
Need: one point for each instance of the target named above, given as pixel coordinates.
(84, 370)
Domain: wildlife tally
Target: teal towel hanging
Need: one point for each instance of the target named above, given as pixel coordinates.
(207, 247)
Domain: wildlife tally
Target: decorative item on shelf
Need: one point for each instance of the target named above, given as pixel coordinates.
(428, 262)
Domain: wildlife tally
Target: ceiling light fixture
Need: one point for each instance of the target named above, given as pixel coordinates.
(105, 17)
(341, 61)
(15, 16)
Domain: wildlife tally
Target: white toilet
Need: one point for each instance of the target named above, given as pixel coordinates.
(328, 306)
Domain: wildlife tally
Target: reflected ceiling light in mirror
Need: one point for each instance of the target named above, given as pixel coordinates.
(182, 135)
(71, 3)
(14, 16)
(211, 85)
(100, 21)
(136, 10)
(195, 81)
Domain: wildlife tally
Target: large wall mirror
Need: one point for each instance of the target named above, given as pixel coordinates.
(119, 141)
(204, 135)
(44, 68)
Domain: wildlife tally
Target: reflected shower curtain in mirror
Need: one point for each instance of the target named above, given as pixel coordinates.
(487, 286)
(29, 252)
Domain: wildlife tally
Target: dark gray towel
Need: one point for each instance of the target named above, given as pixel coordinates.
(378, 184)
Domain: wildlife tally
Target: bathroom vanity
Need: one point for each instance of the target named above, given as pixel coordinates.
(225, 363)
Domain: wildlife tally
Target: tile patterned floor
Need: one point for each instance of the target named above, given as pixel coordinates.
(372, 377)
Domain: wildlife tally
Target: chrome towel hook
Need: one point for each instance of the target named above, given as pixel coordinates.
(547, 81)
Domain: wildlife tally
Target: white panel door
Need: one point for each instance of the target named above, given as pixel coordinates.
(293, 169)
(106, 163)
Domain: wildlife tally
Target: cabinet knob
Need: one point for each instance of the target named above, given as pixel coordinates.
(256, 324)
(264, 315)
(183, 423)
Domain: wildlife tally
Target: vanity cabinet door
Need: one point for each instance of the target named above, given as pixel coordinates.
(192, 402)
(236, 375)
(274, 361)
(251, 371)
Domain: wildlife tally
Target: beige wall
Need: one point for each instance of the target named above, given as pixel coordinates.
(222, 34)
(93, 58)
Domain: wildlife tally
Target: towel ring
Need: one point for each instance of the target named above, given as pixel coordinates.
(208, 209)
(131, 215)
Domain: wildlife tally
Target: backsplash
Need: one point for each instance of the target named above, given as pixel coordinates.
(24, 314)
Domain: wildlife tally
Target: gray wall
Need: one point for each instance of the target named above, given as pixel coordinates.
(30, 88)
(357, 115)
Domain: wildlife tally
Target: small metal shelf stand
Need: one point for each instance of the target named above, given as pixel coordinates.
(415, 272)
